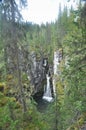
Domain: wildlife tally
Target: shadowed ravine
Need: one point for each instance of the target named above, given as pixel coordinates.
(47, 98)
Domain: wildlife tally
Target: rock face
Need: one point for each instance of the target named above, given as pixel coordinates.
(57, 59)
(37, 72)
(28, 64)
(83, 127)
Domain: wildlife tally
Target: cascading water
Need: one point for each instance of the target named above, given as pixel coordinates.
(47, 90)
(45, 62)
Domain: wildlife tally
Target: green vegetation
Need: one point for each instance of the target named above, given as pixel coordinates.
(18, 110)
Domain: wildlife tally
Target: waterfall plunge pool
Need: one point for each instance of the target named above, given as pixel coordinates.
(49, 99)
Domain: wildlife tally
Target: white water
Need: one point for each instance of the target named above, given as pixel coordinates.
(47, 91)
(45, 62)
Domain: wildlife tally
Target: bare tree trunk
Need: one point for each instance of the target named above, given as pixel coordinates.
(20, 81)
(16, 57)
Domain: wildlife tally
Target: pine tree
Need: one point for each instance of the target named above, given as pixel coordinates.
(11, 17)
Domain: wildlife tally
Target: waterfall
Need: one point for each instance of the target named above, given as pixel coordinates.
(47, 90)
(45, 62)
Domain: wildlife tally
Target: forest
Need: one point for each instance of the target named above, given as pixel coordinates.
(27, 64)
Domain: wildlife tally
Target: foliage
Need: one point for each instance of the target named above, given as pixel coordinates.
(69, 109)
(73, 75)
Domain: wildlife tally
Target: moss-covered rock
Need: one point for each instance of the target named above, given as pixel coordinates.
(3, 99)
(9, 77)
